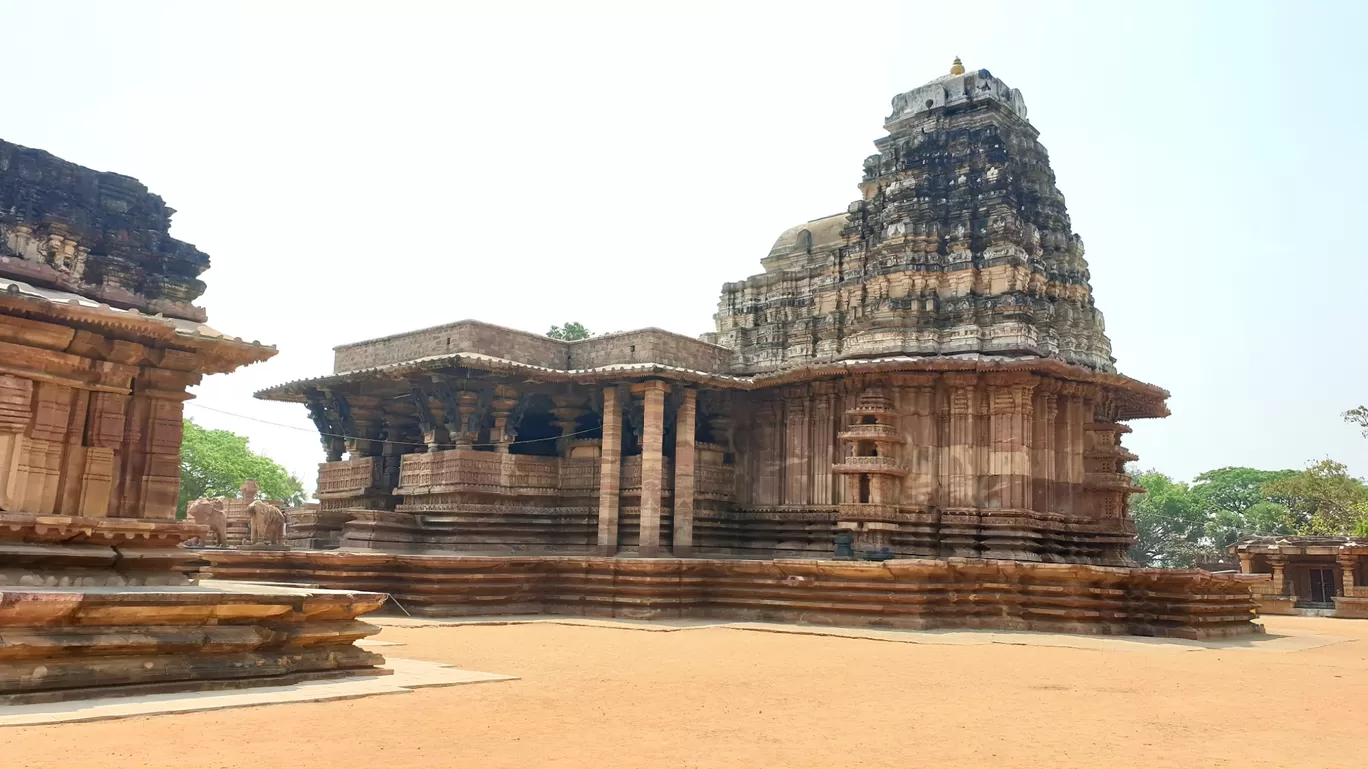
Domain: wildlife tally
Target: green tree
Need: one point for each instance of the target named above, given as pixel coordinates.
(1322, 499)
(1170, 523)
(1232, 501)
(215, 463)
(570, 332)
(1357, 416)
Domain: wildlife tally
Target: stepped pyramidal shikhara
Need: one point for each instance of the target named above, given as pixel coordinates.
(960, 243)
(924, 376)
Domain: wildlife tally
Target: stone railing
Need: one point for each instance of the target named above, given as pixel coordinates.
(860, 511)
(631, 474)
(348, 478)
(885, 465)
(529, 472)
(868, 432)
(579, 475)
(714, 481)
(463, 467)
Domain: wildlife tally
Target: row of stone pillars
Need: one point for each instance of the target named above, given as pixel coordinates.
(652, 468)
(1279, 565)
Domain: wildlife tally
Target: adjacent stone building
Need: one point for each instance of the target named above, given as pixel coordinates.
(99, 342)
(1310, 574)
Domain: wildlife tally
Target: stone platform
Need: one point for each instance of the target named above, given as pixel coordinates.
(82, 642)
(952, 593)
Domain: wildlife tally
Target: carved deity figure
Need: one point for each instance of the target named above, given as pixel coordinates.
(267, 523)
(209, 512)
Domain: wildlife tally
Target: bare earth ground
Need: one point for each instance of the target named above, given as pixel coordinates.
(714, 697)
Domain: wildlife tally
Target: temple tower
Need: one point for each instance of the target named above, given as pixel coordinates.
(960, 243)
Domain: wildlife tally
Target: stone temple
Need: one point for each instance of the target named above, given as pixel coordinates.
(910, 417)
(99, 341)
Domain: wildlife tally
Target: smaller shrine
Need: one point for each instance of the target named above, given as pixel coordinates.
(1311, 575)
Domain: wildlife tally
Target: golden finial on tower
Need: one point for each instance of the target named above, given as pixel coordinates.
(957, 68)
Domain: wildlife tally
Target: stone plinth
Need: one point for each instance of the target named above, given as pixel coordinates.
(97, 642)
(914, 593)
(66, 551)
(311, 528)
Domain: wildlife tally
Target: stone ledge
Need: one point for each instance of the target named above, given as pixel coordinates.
(59, 643)
(905, 593)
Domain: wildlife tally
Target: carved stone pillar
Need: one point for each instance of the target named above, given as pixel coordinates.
(1069, 449)
(610, 470)
(366, 418)
(652, 463)
(823, 442)
(330, 433)
(1347, 563)
(467, 406)
(16, 403)
(1010, 408)
(1043, 445)
(1278, 562)
(796, 450)
(920, 449)
(959, 521)
(568, 409)
(684, 473)
(961, 449)
(429, 415)
(1246, 563)
(505, 400)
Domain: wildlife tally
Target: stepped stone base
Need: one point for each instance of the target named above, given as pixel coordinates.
(79, 642)
(911, 594)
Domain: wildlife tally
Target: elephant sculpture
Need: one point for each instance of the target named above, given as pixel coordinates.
(267, 523)
(209, 512)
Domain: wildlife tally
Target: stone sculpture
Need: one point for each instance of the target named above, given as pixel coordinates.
(210, 512)
(268, 523)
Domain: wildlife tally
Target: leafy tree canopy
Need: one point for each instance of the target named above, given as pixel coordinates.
(570, 332)
(1322, 499)
(1180, 525)
(215, 463)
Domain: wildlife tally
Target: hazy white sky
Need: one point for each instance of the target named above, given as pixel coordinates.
(359, 169)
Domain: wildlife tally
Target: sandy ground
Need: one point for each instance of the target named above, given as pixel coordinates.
(613, 697)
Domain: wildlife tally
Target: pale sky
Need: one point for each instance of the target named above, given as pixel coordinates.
(361, 169)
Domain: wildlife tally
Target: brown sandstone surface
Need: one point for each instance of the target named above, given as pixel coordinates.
(607, 697)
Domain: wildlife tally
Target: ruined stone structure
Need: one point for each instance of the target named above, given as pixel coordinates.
(1290, 575)
(98, 343)
(926, 372)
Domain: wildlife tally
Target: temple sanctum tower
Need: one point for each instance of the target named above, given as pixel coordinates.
(925, 372)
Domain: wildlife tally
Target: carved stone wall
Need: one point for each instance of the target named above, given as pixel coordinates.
(101, 235)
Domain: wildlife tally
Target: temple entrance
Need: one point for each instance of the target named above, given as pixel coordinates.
(1323, 586)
